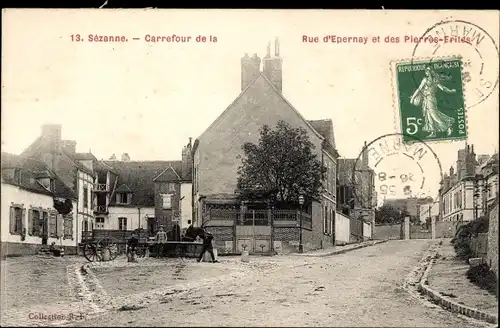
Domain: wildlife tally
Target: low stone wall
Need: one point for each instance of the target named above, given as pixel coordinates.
(387, 231)
(9, 249)
(492, 252)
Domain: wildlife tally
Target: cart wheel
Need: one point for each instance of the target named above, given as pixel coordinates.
(90, 252)
(140, 252)
(110, 244)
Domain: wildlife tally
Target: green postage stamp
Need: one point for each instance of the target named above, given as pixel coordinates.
(430, 99)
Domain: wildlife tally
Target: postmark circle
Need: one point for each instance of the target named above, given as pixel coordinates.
(476, 48)
(397, 170)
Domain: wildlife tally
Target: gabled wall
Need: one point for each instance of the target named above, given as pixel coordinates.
(219, 151)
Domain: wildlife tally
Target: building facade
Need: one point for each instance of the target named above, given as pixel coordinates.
(489, 184)
(460, 195)
(74, 169)
(37, 208)
(142, 195)
(217, 155)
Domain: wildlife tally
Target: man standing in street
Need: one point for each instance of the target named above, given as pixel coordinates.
(207, 246)
(161, 242)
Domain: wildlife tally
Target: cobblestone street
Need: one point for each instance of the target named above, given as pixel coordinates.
(363, 287)
(359, 288)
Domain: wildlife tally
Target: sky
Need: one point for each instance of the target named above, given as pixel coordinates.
(147, 99)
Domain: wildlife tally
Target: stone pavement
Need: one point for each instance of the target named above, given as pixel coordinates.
(360, 288)
(448, 277)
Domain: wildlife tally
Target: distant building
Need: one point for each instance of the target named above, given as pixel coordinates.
(134, 195)
(412, 204)
(356, 197)
(38, 208)
(456, 194)
(489, 174)
(429, 211)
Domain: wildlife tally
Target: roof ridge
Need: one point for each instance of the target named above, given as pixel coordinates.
(230, 105)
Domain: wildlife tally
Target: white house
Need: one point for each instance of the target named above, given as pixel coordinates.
(37, 208)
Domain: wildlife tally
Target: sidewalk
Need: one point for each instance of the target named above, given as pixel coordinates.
(339, 249)
(448, 278)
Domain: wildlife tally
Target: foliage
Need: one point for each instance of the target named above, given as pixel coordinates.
(483, 277)
(391, 215)
(63, 206)
(280, 167)
(461, 241)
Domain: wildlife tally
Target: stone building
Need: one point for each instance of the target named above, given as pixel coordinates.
(217, 156)
(456, 193)
(133, 195)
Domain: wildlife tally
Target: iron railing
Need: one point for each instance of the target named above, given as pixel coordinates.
(101, 209)
(259, 217)
(101, 187)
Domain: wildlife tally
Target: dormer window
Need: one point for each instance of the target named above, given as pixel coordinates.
(47, 183)
(123, 198)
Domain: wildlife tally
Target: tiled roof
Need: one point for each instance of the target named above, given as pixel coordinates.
(277, 92)
(325, 128)
(31, 170)
(84, 156)
(123, 188)
(138, 177)
(168, 175)
(42, 144)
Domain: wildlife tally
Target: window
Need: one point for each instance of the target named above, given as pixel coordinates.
(52, 223)
(123, 198)
(34, 222)
(99, 223)
(85, 196)
(67, 227)
(171, 187)
(166, 201)
(16, 219)
(122, 223)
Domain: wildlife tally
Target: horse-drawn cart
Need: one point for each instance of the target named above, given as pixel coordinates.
(106, 245)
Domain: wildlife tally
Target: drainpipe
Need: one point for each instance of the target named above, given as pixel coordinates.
(139, 224)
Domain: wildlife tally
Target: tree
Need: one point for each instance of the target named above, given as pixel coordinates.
(280, 167)
(390, 215)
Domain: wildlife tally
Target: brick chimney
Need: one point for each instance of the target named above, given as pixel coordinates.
(125, 157)
(470, 161)
(273, 66)
(69, 146)
(187, 160)
(364, 157)
(51, 135)
(250, 69)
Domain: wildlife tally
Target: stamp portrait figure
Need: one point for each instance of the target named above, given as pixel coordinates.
(425, 97)
(430, 98)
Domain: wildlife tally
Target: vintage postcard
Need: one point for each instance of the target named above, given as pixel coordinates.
(266, 168)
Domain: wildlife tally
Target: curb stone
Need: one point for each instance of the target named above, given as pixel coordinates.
(341, 251)
(450, 305)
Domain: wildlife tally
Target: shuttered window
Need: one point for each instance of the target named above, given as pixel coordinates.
(68, 227)
(52, 224)
(35, 222)
(17, 214)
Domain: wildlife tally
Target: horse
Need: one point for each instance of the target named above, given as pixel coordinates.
(193, 232)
